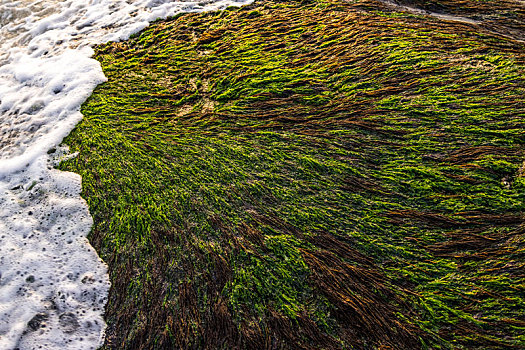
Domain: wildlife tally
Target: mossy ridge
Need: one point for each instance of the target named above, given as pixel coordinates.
(308, 175)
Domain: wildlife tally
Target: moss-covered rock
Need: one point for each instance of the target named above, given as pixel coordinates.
(309, 175)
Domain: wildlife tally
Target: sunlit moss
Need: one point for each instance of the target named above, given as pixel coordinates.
(233, 158)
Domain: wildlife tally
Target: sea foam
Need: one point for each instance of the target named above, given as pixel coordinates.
(53, 286)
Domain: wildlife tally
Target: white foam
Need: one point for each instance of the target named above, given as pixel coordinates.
(53, 286)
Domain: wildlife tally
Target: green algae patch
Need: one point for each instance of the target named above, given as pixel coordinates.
(315, 175)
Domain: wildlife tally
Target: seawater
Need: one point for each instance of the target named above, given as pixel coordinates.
(53, 286)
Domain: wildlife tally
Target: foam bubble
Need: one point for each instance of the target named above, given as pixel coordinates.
(53, 286)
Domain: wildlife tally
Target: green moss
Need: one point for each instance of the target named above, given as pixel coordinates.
(308, 174)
